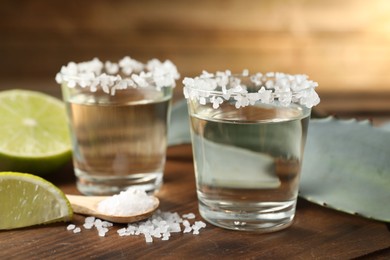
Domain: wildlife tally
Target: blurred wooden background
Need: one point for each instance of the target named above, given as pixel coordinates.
(342, 44)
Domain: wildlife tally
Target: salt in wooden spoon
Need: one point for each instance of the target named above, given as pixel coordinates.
(87, 205)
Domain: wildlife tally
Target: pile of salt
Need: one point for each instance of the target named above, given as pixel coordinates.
(130, 202)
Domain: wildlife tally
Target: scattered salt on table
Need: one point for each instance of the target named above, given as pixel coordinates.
(161, 225)
(133, 201)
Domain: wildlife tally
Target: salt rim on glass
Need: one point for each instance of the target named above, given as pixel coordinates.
(273, 87)
(111, 76)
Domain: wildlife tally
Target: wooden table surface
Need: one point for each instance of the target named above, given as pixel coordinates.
(317, 232)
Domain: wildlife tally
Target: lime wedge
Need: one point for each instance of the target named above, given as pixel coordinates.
(34, 135)
(28, 200)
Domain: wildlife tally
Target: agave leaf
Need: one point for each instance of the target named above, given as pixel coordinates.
(179, 127)
(347, 167)
(225, 168)
(346, 164)
(386, 127)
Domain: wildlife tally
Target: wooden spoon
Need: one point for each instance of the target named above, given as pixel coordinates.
(87, 205)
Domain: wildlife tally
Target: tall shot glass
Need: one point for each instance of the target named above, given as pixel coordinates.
(118, 116)
(248, 135)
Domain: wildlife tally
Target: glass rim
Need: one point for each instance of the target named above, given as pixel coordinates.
(271, 87)
(127, 73)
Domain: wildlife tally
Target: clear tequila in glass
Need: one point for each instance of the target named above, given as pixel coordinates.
(119, 141)
(247, 164)
(118, 115)
(248, 135)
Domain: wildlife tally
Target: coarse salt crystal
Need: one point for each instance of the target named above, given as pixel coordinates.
(187, 230)
(70, 227)
(200, 224)
(122, 231)
(148, 239)
(102, 232)
(88, 225)
(189, 216)
(157, 234)
(174, 227)
(186, 223)
(89, 220)
(165, 237)
(106, 224)
(77, 230)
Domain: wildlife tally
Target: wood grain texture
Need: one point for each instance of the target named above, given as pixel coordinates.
(341, 44)
(317, 233)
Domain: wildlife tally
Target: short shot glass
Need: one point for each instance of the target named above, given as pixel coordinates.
(248, 136)
(118, 117)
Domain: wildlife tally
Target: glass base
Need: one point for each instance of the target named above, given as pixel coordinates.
(263, 217)
(89, 184)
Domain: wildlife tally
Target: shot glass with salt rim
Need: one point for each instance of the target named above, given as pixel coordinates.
(248, 135)
(118, 116)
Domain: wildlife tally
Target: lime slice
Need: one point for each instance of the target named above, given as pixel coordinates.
(34, 135)
(28, 200)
